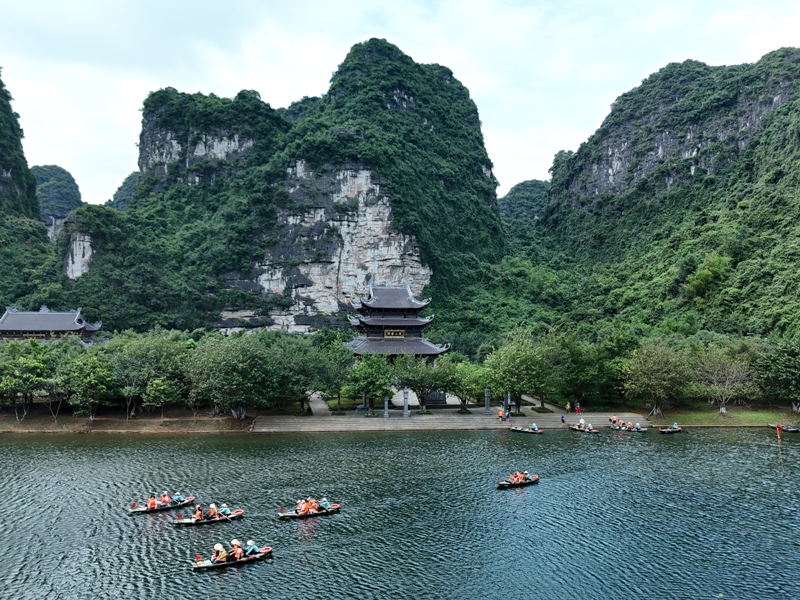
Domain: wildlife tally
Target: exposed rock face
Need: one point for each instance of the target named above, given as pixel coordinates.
(159, 148)
(630, 153)
(79, 255)
(333, 247)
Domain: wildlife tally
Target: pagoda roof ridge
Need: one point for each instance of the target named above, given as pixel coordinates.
(392, 297)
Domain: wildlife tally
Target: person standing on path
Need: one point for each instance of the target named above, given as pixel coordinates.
(567, 407)
(562, 420)
(577, 408)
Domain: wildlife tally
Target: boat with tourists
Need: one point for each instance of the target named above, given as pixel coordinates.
(517, 480)
(631, 429)
(199, 563)
(147, 507)
(309, 508)
(584, 429)
(236, 514)
(673, 429)
(525, 430)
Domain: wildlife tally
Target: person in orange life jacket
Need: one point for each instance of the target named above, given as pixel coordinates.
(251, 548)
(212, 512)
(238, 551)
(152, 503)
(198, 513)
(165, 500)
(313, 505)
(219, 556)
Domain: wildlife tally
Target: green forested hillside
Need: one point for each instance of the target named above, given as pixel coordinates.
(703, 238)
(56, 190)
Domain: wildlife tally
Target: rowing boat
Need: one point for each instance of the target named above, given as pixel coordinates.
(528, 430)
(318, 513)
(584, 430)
(263, 552)
(237, 514)
(787, 428)
(501, 485)
(626, 430)
(135, 510)
(669, 430)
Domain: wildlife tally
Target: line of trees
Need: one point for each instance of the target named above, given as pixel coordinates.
(149, 371)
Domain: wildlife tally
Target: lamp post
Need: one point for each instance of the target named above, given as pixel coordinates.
(385, 406)
(486, 397)
(405, 402)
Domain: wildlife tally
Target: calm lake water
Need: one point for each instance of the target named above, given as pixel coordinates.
(704, 514)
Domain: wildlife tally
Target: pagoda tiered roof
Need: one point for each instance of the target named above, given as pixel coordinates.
(357, 320)
(396, 347)
(391, 297)
(44, 323)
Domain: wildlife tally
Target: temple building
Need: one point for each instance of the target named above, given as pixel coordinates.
(45, 324)
(389, 324)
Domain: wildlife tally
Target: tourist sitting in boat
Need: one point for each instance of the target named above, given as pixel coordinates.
(213, 513)
(589, 427)
(526, 475)
(325, 504)
(251, 548)
(629, 426)
(613, 420)
(581, 424)
(178, 497)
(224, 510)
(219, 555)
(313, 505)
(198, 513)
(165, 500)
(638, 427)
(302, 507)
(152, 503)
(675, 426)
(534, 427)
(238, 551)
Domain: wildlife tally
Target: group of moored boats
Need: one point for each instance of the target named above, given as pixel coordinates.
(238, 554)
(616, 425)
(786, 428)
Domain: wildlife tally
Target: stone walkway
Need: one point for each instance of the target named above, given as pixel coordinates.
(442, 419)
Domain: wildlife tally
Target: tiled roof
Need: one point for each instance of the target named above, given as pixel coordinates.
(396, 347)
(392, 297)
(391, 321)
(45, 320)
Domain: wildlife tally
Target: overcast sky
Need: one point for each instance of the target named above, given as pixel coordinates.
(543, 74)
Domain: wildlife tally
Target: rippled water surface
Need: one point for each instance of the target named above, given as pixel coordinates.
(705, 514)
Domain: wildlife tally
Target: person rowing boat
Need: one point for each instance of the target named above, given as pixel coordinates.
(224, 510)
(251, 548)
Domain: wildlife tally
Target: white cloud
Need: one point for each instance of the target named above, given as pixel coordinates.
(542, 73)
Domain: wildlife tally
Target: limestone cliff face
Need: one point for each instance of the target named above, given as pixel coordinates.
(684, 123)
(160, 148)
(338, 240)
(79, 255)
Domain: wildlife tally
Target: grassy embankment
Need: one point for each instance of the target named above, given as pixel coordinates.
(176, 420)
(738, 416)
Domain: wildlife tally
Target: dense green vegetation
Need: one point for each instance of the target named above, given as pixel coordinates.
(17, 184)
(124, 192)
(56, 190)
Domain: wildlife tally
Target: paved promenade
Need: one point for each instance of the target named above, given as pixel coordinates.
(441, 419)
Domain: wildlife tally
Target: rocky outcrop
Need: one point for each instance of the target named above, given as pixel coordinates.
(79, 255)
(160, 148)
(338, 240)
(621, 153)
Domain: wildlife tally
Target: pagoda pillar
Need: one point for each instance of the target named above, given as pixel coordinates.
(405, 402)
(385, 406)
(487, 396)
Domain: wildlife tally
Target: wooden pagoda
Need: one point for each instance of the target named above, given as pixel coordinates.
(389, 324)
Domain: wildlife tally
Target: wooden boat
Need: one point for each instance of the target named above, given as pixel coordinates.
(501, 485)
(576, 428)
(135, 510)
(236, 514)
(669, 430)
(787, 428)
(525, 430)
(263, 553)
(320, 513)
(626, 430)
